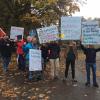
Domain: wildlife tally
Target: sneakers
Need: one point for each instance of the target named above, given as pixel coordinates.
(96, 85)
(87, 84)
(5, 70)
(33, 80)
(74, 80)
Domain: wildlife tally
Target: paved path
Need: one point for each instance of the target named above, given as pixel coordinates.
(14, 86)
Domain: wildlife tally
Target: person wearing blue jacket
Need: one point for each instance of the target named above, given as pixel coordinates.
(26, 48)
(31, 44)
(90, 60)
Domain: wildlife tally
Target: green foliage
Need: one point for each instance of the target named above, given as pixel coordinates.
(18, 12)
(51, 10)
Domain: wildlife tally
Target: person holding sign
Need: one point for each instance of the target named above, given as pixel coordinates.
(44, 50)
(54, 52)
(71, 56)
(7, 47)
(26, 48)
(31, 44)
(90, 53)
(20, 53)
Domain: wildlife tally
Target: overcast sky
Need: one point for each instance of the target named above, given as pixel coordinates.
(91, 9)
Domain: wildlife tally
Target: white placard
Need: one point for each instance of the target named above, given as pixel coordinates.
(35, 62)
(48, 34)
(70, 28)
(15, 31)
(90, 32)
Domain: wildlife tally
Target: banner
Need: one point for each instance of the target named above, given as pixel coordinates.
(35, 62)
(15, 31)
(70, 28)
(90, 32)
(48, 34)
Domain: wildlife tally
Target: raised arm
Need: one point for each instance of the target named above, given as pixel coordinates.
(83, 48)
(97, 50)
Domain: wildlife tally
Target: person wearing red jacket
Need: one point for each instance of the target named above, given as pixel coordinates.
(20, 53)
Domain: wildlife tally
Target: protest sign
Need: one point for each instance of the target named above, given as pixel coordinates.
(90, 32)
(70, 28)
(2, 33)
(35, 62)
(48, 34)
(15, 31)
(32, 32)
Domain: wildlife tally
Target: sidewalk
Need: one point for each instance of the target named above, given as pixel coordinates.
(14, 86)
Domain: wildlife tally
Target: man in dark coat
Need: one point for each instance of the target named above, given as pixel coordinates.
(90, 53)
(6, 51)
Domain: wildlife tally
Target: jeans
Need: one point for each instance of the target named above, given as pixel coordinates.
(93, 66)
(6, 61)
(68, 62)
(35, 75)
(21, 62)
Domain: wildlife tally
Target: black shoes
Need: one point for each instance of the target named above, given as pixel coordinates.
(96, 85)
(74, 80)
(88, 84)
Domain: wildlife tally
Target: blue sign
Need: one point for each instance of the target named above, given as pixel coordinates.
(33, 32)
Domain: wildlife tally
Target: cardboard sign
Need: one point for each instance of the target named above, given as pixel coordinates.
(90, 32)
(70, 28)
(48, 34)
(35, 62)
(15, 31)
(2, 33)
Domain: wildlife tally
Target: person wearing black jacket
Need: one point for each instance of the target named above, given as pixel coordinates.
(6, 51)
(90, 60)
(44, 50)
(53, 53)
(71, 56)
(1, 41)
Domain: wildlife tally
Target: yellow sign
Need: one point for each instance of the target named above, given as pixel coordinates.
(61, 35)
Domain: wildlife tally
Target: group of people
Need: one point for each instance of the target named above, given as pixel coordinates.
(51, 52)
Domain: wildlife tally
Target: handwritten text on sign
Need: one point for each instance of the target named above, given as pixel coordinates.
(35, 60)
(90, 32)
(71, 28)
(48, 34)
(15, 31)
